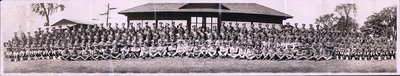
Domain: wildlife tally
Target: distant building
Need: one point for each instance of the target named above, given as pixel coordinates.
(65, 23)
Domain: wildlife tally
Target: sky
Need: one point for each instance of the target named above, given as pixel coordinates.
(16, 15)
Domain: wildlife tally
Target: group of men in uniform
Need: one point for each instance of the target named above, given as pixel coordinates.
(289, 42)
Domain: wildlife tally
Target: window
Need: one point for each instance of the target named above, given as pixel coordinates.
(244, 24)
(180, 23)
(143, 23)
(199, 20)
(214, 22)
(208, 22)
(211, 22)
(164, 23)
(259, 24)
(149, 23)
(229, 23)
(196, 22)
(167, 23)
(136, 23)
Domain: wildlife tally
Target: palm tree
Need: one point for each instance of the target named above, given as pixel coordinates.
(46, 9)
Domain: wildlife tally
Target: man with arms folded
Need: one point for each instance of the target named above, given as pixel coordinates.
(144, 52)
(223, 52)
(172, 49)
(153, 50)
(125, 52)
(233, 50)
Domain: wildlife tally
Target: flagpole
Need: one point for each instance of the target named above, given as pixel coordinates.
(108, 13)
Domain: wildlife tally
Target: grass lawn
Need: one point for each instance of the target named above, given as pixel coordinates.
(188, 65)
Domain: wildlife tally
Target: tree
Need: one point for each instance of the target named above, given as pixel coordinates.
(382, 23)
(343, 22)
(46, 9)
(346, 22)
(327, 20)
(345, 10)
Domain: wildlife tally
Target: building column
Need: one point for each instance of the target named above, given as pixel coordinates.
(189, 24)
(203, 24)
(156, 24)
(219, 24)
(251, 24)
(127, 21)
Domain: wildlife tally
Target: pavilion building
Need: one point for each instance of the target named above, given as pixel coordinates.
(209, 15)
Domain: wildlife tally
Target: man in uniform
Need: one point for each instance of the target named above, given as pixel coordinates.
(181, 49)
(103, 53)
(205, 47)
(153, 50)
(223, 52)
(32, 54)
(275, 52)
(64, 53)
(125, 52)
(392, 50)
(374, 50)
(53, 52)
(75, 53)
(17, 54)
(8, 53)
(162, 48)
(233, 50)
(347, 52)
(39, 53)
(197, 48)
(144, 52)
(135, 51)
(115, 52)
(46, 52)
(85, 53)
(59, 51)
(190, 49)
(367, 53)
(24, 53)
(242, 50)
(172, 50)
(109, 40)
(249, 51)
(384, 53)
(69, 53)
(94, 53)
(28, 51)
(20, 54)
(258, 52)
(211, 49)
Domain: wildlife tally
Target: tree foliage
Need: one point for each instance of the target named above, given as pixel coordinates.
(343, 22)
(346, 21)
(346, 24)
(327, 20)
(382, 23)
(346, 10)
(46, 9)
